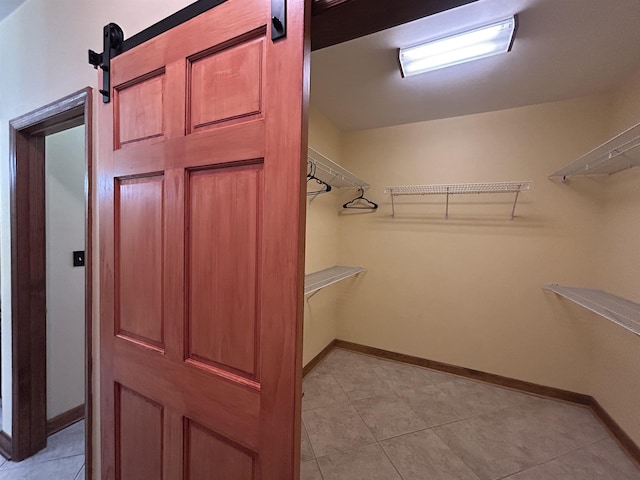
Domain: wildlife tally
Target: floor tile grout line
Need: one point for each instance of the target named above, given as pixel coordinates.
(391, 461)
(36, 462)
(457, 454)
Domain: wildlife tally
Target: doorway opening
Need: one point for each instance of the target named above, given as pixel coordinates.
(32, 137)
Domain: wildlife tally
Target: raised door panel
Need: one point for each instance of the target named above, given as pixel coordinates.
(224, 224)
(209, 456)
(139, 257)
(226, 85)
(139, 426)
(140, 109)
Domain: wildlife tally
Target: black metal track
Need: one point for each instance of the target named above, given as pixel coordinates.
(166, 24)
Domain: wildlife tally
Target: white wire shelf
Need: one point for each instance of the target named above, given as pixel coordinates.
(619, 153)
(459, 189)
(619, 310)
(330, 172)
(313, 282)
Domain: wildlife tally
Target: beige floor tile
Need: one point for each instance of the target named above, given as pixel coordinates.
(306, 452)
(310, 471)
(362, 383)
(322, 390)
(423, 455)
(388, 416)
(335, 429)
(363, 463)
(59, 469)
(601, 461)
(402, 378)
(517, 438)
(433, 406)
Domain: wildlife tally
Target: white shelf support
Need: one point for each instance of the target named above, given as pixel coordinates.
(316, 281)
(459, 189)
(619, 153)
(616, 309)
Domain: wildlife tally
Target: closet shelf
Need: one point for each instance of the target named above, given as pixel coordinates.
(313, 282)
(331, 173)
(619, 153)
(619, 310)
(459, 189)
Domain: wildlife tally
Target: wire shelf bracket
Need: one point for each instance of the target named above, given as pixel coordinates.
(620, 153)
(459, 189)
(316, 281)
(624, 313)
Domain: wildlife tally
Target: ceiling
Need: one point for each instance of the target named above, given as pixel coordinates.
(8, 6)
(563, 49)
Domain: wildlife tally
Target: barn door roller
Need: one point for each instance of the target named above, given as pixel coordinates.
(278, 19)
(113, 38)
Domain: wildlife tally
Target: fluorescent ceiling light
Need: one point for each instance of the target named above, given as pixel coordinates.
(462, 47)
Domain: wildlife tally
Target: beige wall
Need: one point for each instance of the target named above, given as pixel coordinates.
(615, 378)
(322, 242)
(468, 290)
(65, 170)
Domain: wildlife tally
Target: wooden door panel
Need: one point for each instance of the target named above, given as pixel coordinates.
(213, 457)
(224, 216)
(226, 85)
(139, 254)
(139, 424)
(139, 107)
(202, 231)
(235, 143)
(222, 402)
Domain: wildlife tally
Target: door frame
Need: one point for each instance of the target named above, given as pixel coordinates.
(28, 271)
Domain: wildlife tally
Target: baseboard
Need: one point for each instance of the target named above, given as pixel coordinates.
(551, 392)
(5, 445)
(65, 419)
(318, 358)
(625, 441)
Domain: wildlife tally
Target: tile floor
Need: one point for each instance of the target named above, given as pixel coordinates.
(63, 459)
(367, 418)
(371, 419)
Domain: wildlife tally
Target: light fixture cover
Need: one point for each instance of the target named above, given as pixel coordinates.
(480, 42)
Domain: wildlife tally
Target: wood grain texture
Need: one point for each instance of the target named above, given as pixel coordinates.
(27, 212)
(65, 419)
(140, 436)
(226, 85)
(140, 110)
(208, 455)
(225, 223)
(337, 21)
(139, 256)
(224, 304)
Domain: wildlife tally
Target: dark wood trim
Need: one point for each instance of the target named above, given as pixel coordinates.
(337, 21)
(623, 439)
(626, 442)
(65, 419)
(5, 445)
(492, 378)
(28, 255)
(318, 358)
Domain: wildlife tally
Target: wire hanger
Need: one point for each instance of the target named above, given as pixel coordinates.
(360, 202)
(311, 176)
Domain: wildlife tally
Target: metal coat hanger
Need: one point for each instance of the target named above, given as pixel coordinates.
(357, 205)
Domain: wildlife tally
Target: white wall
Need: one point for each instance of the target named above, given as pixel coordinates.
(43, 51)
(65, 218)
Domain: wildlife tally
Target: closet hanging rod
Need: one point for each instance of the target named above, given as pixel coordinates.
(332, 173)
